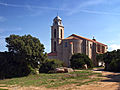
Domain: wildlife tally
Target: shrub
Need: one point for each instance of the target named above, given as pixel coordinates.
(10, 67)
(50, 65)
(112, 60)
(114, 65)
(79, 60)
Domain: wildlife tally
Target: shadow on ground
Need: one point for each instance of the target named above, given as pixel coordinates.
(112, 77)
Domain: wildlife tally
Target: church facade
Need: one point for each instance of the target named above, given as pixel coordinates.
(63, 48)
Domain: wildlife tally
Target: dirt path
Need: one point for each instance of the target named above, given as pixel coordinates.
(110, 81)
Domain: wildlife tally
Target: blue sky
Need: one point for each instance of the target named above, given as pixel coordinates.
(88, 18)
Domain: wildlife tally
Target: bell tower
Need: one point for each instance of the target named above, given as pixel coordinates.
(57, 33)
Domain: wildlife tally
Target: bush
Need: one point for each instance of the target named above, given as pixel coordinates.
(49, 65)
(11, 66)
(112, 60)
(79, 60)
(114, 65)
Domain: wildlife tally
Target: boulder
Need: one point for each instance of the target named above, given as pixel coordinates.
(69, 70)
(63, 70)
(85, 67)
(59, 70)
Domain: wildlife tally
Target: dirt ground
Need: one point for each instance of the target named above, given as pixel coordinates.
(110, 81)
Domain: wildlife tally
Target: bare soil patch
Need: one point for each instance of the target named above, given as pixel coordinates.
(110, 81)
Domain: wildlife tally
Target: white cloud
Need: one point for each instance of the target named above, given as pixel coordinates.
(85, 4)
(2, 19)
(6, 30)
(30, 7)
(77, 9)
(114, 46)
(98, 12)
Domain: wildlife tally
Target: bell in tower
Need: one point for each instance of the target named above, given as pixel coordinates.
(57, 33)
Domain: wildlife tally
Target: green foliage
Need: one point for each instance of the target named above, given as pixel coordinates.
(28, 47)
(25, 55)
(79, 60)
(12, 65)
(99, 57)
(50, 65)
(112, 60)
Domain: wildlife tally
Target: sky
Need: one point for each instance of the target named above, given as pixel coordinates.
(87, 18)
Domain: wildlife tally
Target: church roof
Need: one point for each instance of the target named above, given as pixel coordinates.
(74, 36)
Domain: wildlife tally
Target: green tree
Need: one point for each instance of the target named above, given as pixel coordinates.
(112, 60)
(49, 65)
(28, 48)
(12, 65)
(79, 60)
(99, 57)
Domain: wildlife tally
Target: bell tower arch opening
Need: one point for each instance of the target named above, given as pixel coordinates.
(54, 33)
(57, 33)
(54, 46)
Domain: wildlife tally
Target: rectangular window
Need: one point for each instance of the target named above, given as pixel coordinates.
(98, 48)
(65, 44)
(103, 49)
(90, 45)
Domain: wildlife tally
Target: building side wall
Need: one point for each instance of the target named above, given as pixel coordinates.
(77, 46)
(70, 49)
(52, 57)
(66, 51)
(60, 52)
(94, 54)
(90, 46)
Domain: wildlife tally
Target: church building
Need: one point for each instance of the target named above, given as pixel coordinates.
(63, 48)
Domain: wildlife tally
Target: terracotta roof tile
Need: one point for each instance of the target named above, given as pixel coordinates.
(71, 38)
(52, 54)
(74, 36)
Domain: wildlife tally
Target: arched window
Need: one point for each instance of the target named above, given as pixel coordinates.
(60, 22)
(54, 33)
(54, 45)
(55, 22)
(61, 33)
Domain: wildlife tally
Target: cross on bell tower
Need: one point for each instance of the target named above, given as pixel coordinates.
(57, 33)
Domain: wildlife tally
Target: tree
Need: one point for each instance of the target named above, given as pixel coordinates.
(28, 48)
(79, 60)
(99, 57)
(112, 60)
(12, 65)
(50, 65)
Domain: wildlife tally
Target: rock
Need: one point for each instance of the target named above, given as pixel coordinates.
(69, 70)
(85, 66)
(59, 70)
(63, 70)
